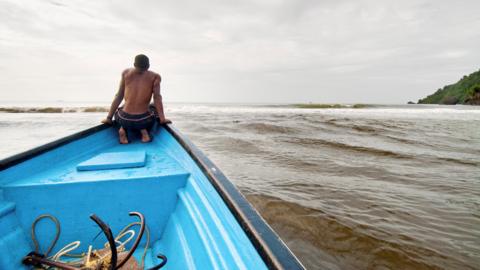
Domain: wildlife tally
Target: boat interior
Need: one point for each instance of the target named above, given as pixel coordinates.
(186, 219)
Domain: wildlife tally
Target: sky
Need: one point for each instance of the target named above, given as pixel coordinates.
(284, 51)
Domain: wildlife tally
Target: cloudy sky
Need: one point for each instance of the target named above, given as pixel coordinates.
(261, 51)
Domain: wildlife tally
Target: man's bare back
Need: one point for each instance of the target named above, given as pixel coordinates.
(137, 86)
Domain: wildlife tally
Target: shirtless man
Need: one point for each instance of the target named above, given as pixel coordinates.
(137, 87)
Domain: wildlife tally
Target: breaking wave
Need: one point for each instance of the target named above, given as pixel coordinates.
(53, 109)
(311, 142)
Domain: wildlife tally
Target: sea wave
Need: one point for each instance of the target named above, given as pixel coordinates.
(459, 112)
(460, 161)
(309, 142)
(53, 109)
(234, 145)
(265, 128)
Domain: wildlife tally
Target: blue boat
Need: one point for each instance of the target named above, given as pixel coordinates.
(176, 208)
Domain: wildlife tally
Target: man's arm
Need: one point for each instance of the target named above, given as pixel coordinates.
(116, 101)
(157, 100)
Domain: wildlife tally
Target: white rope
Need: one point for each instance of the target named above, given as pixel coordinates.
(66, 249)
(120, 236)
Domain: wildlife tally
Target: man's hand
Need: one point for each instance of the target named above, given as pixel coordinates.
(164, 121)
(107, 121)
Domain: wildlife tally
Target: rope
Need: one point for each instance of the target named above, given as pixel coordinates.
(121, 235)
(74, 245)
(34, 237)
(70, 247)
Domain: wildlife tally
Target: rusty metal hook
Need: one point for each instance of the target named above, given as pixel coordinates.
(36, 259)
(164, 261)
(137, 241)
(111, 241)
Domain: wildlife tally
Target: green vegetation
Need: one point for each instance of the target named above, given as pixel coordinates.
(462, 92)
(474, 90)
(329, 106)
(473, 95)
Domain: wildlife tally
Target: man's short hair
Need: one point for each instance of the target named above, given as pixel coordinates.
(141, 62)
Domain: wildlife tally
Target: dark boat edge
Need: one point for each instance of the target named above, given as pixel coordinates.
(269, 245)
(19, 158)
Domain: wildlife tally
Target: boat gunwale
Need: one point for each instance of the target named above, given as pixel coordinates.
(36, 151)
(268, 244)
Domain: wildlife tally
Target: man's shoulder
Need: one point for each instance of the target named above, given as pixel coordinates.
(154, 75)
(126, 71)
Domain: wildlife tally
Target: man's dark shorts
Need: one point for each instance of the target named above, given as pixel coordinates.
(135, 121)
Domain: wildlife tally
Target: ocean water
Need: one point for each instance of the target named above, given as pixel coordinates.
(383, 187)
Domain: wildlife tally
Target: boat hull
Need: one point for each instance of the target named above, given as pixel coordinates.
(195, 215)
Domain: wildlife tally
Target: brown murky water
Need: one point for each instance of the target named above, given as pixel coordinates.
(375, 188)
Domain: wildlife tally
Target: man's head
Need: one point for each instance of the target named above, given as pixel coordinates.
(141, 62)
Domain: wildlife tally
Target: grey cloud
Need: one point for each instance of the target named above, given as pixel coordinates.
(245, 51)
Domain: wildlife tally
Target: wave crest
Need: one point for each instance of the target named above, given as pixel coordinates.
(342, 146)
(53, 109)
(263, 128)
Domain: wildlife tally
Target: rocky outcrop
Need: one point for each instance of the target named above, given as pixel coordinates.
(449, 100)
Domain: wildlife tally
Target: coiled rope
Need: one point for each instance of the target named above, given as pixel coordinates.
(112, 242)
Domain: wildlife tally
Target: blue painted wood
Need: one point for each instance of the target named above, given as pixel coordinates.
(114, 160)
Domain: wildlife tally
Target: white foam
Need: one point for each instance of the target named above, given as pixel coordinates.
(381, 112)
